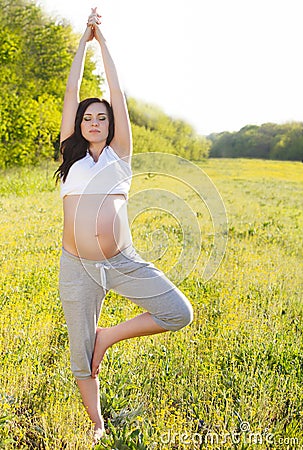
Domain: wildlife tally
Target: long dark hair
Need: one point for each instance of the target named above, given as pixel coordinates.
(75, 146)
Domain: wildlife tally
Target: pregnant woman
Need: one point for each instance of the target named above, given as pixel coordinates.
(97, 253)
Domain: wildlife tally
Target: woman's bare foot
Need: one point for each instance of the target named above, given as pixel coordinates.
(102, 342)
(98, 435)
(99, 431)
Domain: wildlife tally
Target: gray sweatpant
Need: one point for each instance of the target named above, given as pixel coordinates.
(84, 283)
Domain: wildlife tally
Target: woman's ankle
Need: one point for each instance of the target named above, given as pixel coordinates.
(99, 425)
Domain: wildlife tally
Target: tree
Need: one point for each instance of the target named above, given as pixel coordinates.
(36, 53)
(290, 144)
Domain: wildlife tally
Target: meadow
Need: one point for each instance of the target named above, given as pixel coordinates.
(232, 379)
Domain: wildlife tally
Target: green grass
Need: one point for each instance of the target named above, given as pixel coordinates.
(239, 364)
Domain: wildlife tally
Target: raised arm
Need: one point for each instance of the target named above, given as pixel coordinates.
(71, 98)
(122, 141)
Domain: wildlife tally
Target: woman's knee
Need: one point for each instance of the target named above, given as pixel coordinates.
(184, 317)
(178, 316)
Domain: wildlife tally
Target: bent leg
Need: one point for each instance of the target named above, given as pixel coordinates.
(167, 307)
(142, 325)
(150, 289)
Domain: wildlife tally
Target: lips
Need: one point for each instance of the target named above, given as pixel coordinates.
(94, 131)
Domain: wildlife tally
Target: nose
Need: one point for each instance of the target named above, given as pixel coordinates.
(95, 121)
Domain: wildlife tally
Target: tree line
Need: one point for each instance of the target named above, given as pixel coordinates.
(36, 52)
(268, 141)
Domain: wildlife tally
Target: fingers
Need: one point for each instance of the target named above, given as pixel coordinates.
(94, 11)
(94, 18)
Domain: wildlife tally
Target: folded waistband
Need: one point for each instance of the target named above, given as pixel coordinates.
(127, 251)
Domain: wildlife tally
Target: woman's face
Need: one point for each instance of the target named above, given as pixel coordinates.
(95, 123)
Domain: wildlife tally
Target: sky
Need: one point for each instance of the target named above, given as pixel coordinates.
(217, 64)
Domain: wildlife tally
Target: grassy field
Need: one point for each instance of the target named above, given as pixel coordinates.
(232, 379)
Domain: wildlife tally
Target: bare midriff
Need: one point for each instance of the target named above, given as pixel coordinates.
(95, 225)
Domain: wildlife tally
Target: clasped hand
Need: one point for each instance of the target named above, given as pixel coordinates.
(92, 22)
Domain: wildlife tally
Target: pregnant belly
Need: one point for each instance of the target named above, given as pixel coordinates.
(95, 226)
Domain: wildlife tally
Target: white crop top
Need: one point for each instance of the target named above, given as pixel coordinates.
(109, 175)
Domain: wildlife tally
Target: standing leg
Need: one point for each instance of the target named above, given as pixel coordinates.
(81, 298)
(89, 390)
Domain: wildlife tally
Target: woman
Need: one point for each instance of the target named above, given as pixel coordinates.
(97, 253)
